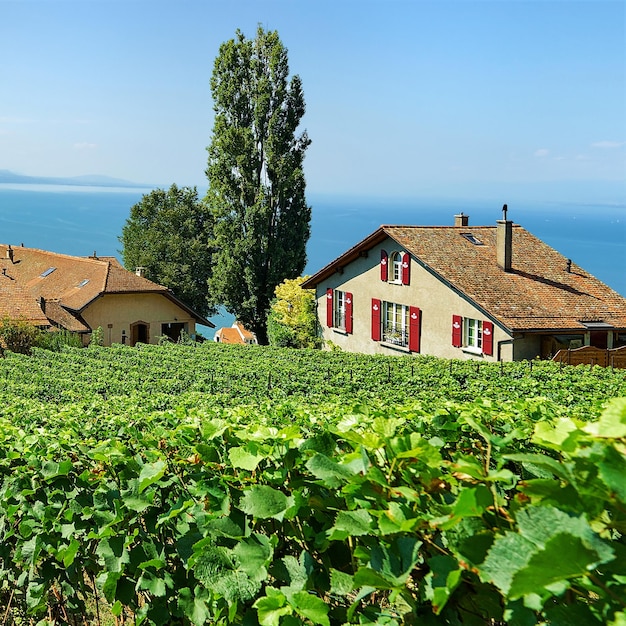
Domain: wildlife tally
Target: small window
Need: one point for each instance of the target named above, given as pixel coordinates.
(395, 265)
(47, 272)
(472, 239)
(473, 333)
(82, 283)
(339, 312)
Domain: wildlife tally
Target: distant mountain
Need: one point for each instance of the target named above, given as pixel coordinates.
(92, 180)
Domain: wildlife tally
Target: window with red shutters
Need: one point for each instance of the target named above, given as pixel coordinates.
(487, 338)
(473, 335)
(384, 269)
(406, 268)
(375, 319)
(414, 329)
(339, 309)
(457, 331)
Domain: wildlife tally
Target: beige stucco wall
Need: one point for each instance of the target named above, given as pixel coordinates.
(437, 302)
(122, 310)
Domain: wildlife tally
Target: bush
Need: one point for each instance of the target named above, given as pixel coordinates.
(292, 321)
(18, 335)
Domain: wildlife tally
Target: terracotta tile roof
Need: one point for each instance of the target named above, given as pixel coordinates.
(229, 335)
(537, 293)
(73, 282)
(245, 333)
(16, 302)
(237, 333)
(63, 318)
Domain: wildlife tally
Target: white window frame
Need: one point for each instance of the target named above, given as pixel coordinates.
(473, 334)
(395, 268)
(395, 323)
(339, 309)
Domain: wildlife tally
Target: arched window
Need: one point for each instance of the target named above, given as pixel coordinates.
(395, 267)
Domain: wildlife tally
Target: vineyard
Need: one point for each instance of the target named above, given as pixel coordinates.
(218, 484)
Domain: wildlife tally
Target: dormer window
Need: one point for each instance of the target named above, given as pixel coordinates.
(47, 272)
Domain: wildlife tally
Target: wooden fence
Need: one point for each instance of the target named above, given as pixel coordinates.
(588, 355)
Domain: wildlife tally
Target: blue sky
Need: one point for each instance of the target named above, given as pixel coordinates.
(404, 97)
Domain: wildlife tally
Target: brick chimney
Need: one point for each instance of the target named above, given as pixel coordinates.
(461, 219)
(504, 241)
(140, 271)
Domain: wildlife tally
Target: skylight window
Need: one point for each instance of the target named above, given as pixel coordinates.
(47, 272)
(472, 239)
(82, 283)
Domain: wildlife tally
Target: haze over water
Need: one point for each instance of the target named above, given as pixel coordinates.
(79, 221)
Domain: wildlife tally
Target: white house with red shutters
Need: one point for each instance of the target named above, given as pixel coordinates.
(487, 292)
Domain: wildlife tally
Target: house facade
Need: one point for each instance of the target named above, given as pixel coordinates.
(80, 294)
(470, 292)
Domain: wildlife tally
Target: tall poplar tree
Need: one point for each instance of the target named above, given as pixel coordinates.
(256, 181)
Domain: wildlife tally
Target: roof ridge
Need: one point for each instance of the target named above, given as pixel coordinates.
(50, 253)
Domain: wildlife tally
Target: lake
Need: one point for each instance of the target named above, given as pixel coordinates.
(83, 220)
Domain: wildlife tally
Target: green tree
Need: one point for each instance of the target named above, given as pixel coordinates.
(168, 233)
(291, 321)
(256, 181)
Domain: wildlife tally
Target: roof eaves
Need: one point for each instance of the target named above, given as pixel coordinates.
(347, 257)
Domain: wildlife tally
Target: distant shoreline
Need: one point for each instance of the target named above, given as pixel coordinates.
(8, 177)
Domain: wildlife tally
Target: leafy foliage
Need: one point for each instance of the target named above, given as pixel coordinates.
(130, 476)
(168, 233)
(256, 181)
(58, 339)
(292, 320)
(18, 335)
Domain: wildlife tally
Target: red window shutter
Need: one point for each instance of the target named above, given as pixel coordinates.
(487, 338)
(348, 312)
(457, 331)
(384, 266)
(375, 319)
(414, 329)
(329, 308)
(406, 268)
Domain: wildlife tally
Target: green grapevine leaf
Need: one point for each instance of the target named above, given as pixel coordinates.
(241, 458)
(551, 546)
(331, 473)
(272, 607)
(262, 502)
(195, 605)
(444, 577)
(311, 607)
(341, 583)
(150, 474)
(612, 422)
(351, 523)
